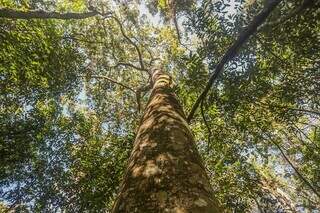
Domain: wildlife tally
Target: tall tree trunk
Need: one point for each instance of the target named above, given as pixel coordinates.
(165, 172)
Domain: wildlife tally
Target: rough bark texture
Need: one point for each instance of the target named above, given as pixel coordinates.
(165, 172)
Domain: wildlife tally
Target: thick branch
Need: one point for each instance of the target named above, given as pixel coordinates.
(41, 14)
(232, 51)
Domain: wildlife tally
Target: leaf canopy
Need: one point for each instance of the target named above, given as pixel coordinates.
(66, 130)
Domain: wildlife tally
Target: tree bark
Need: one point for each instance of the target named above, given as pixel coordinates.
(165, 172)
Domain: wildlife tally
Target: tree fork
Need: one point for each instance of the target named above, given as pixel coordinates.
(165, 172)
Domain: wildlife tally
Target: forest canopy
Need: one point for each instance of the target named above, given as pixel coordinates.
(76, 77)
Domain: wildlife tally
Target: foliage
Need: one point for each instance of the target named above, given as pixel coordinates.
(66, 131)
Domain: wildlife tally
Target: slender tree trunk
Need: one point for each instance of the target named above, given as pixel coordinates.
(165, 172)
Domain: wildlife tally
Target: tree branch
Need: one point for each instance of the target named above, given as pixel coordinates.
(131, 42)
(280, 59)
(110, 15)
(41, 14)
(303, 134)
(111, 80)
(287, 108)
(232, 51)
(305, 110)
(140, 90)
(207, 125)
(129, 65)
(294, 168)
(175, 20)
(305, 4)
(137, 91)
